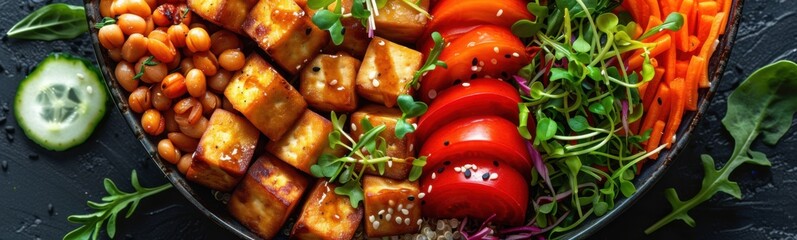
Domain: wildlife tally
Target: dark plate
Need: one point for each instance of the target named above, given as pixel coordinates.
(214, 209)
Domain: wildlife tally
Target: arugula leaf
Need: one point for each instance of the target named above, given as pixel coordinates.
(115, 202)
(762, 106)
(52, 22)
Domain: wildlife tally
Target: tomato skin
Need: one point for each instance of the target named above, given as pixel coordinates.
(453, 195)
(454, 14)
(475, 98)
(489, 137)
(473, 55)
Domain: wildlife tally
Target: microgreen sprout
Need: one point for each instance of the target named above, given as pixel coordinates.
(363, 10)
(432, 61)
(409, 109)
(105, 21)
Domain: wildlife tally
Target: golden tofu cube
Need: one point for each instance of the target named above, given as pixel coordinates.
(229, 14)
(355, 37)
(301, 45)
(327, 83)
(386, 70)
(395, 206)
(402, 150)
(327, 215)
(224, 151)
(303, 144)
(271, 22)
(265, 98)
(267, 195)
(399, 22)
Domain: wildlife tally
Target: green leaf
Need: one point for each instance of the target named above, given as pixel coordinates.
(547, 208)
(319, 4)
(432, 61)
(600, 208)
(358, 11)
(674, 22)
(411, 108)
(105, 21)
(333, 139)
(559, 73)
(536, 90)
(523, 117)
(80, 233)
(578, 123)
(52, 22)
(110, 227)
(607, 22)
(597, 108)
(403, 128)
(353, 190)
(417, 168)
(648, 71)
(546, 129)
(316, 171)
(381, 3)
(627, 188)
(581, 45)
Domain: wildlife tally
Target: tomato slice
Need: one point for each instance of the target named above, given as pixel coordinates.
(485, 52)
(453, 14)
(474, 98)
(474, 194)
(481, 136)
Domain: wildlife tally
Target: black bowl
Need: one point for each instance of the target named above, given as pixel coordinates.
(208, 202)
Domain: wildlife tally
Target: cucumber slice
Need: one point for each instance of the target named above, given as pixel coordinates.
(61, 102)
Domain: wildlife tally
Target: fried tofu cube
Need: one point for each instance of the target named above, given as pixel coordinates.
(402, 150)
(224, 151)
(267, 195)
(271, 22)
(303, 144)
(229, 14)
(386, 70)
(327, 215)
(300, 46)
(265, 98)
(355, 37)
(399, 22)
(394, 204)
(327, 83)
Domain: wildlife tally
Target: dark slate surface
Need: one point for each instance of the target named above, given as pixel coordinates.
(39, 188)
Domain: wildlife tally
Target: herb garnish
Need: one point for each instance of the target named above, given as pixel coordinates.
(52, 22)
(148, 62)
(409, 109)
(763, 105)
(105, 21)
(363, 10)
(370, 152)
(432, 61)
(112, 205)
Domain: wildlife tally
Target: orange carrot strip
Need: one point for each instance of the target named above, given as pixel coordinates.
(694, 43)
(652, 88)
(693, 17)
(683, 34)
(677, 92)
(681, 67)
(692, 78)
(655, 138)
(662, 44)
(656, 108)
(704, 27)
(707, 8)
(726, 8)
(709, 47)
(653, 5)
(652, 22)
(669, 61)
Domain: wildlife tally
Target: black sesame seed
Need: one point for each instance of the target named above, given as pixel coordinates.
(505, 75)
(447, 163)
(316, 69)
(423, 202)
(495, 163)
(485, 176)
(474, 62)
(445, 143)
(467, 173)
(381, 217)
(411, 198)
(457, 82)
(658, 100)
(308, 31)
(440, 170)
(473, 76)
(343, 31)
(508, 56)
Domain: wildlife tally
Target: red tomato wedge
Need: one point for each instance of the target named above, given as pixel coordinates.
(474, 98)
(464, 14)
(489, 137)
(485, 52)
(491, 188)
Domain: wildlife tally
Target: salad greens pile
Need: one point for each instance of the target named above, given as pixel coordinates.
(583, 98)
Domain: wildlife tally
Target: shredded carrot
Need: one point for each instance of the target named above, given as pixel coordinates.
(653, 5)
(655, 138)
(707, 8)
(692, 77)
(681, 67)
(726, 8)
(656, 108)
(677, 92)
(683, 34)
(662, 44)
(669, 60)
(704, 27)
(654, 21)
(652, 88)
(709, 47)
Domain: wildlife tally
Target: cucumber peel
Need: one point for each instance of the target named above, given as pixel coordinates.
(61, 102)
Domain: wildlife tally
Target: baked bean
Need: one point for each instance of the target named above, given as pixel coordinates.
(198, 40)
(195, 83)
(177, 34)
(139, 100)
(195, 130)
(158, 35)
(159, 100)
(186, 65)
(168, 152)
(218, 82)
(185, 13)
(105, 8)
(227, 105)
(183, 142)
(150, 26)
(210, 102)
(111, 36)
(154, 73)
(206, 62)
(197, 25)
(232, 59)
(224, 40)
(171, 125)
(152, 3)
(115, 54)
(175, 63)
(139, 7)
(161, 51)
(118, 7)
(124, 73)
(134, 48)
(131, 23)
(153, 123)
(173, 85)
(187, 111)
(185, 163)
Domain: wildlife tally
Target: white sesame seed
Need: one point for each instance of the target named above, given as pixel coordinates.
(415, 125)
(407, 221)
(340, 88)
(673, 138)
(371, 218)
(381, 43)
(429, 190)
(432, 94)
(467, 166)
(372, 75)
(474, 68)
(411, 147)
(499, 13)
(375, 82)
(333, 82)
(381, 211)
(448, 44)
(337, 217)
(419, 222)
(493, 176)
(481, 63)
(390, 210)
(353, 127)
(457, 169)
(466, 84)
(405, 211)
(474, 167)
(495, 49)
(515, 54)
(494, 61)
(410, 206)
(421, 195)
(434, 175)
(471, 44)
(387, 216)
(375, 224)
(390, 163)
(400, 206)
(398, 220)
